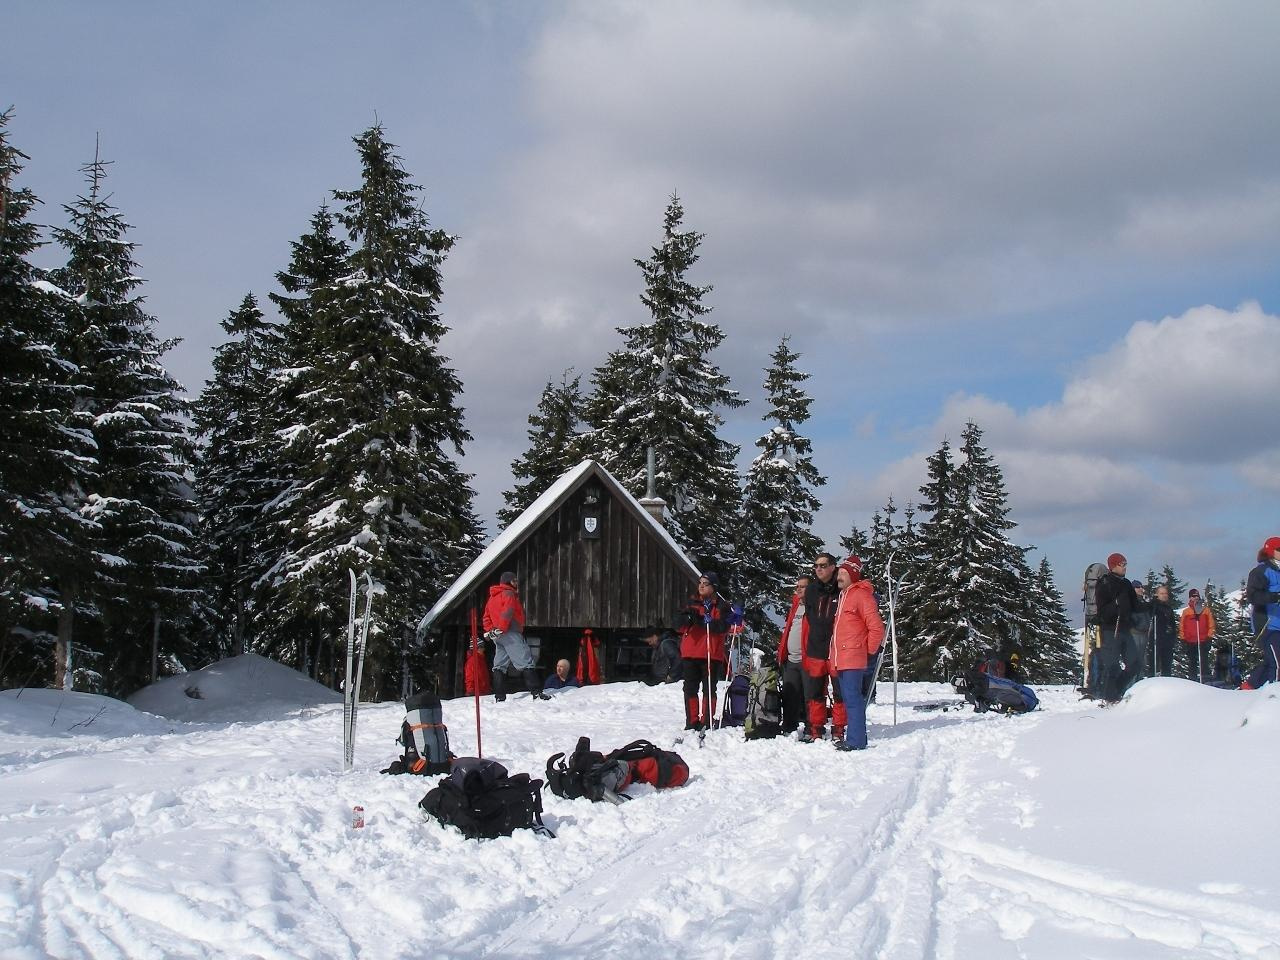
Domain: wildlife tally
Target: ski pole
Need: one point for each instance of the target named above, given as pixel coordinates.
(475, 646)
(710, 686)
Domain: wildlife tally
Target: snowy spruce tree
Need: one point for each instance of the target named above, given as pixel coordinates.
(142, 497)
(969, 598)
(289, 624)
(235, 474)
(377, 428)
(775, 542)
(555, 430)
(1050, 649)
(662, 390)
(46, 448)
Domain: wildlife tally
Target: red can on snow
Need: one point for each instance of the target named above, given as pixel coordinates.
(357, 817)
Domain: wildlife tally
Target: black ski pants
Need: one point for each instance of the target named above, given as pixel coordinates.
(1113, 676)
(792, 696)
(695, 678)
(1199, 666)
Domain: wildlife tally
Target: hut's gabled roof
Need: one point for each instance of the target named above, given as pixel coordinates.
(533, 515)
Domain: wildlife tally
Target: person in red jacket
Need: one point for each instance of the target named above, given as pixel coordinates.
(504, 628)
(856, 637)
(1196, 629)
(791, 657)
(703, 624)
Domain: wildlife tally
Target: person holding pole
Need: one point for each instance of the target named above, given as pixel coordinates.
(504, 628)
(1164, 630)
(1196, 629)
(1116, 601)
(703, 624)
(1263, 593)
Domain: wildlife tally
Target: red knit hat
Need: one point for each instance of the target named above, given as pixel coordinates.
(1115, 560)
(1272, 546)
(852, 566)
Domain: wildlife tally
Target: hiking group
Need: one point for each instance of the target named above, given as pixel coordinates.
(1125, 631)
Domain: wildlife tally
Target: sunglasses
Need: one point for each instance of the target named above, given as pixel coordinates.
(819, 566)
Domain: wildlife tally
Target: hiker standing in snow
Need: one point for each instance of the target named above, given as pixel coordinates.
(1164, 630)
(855, 638)
(1263, 591)
(820, 600)
(703, 624)
(790, 655)
(1116, 601)
(1135, 651)
(504, 628)
(1196, 629)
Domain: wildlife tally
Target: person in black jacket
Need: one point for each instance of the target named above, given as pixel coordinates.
(1164, 630)
(821, 597)
(1116, 601)
(1263, 592)
(666, 666)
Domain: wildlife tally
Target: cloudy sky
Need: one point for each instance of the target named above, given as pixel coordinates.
(1059, 220)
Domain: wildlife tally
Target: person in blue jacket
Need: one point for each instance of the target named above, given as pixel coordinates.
(1263, 591)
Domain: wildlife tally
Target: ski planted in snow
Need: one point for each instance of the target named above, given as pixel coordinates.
(355, 666)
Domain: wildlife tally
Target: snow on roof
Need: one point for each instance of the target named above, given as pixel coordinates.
(524, 524)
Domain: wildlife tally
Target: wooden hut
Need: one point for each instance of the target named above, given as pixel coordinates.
(588, 555)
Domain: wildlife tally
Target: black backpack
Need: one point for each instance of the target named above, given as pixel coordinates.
(424, 736)
(587, 773)
(764, 704)
(484, 802)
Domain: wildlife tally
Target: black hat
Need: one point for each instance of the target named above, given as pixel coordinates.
(711, 578)
(508, 577)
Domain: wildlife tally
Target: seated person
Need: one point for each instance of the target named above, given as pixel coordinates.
(561, 679)
(667, 667)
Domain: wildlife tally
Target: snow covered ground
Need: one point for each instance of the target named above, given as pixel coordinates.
(1141, 831)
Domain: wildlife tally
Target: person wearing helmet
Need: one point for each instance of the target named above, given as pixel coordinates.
(1263, 591)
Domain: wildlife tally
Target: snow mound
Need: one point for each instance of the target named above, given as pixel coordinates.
(40, 712)
(239, 688)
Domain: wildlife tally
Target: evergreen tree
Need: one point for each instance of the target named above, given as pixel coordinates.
(662, 391)
(235, 475)
(971, 599)
(1051, 649)
(287, 622)
(1177, 587)
(927, 598)
(46, 448)
(379, 424)
(143, 498)
(774, 539)
(553, 446)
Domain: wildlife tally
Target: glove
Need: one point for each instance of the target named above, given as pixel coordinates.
(735, 615)
(493, 635)
(706, 617)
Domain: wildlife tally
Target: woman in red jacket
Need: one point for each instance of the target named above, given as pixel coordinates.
(856, 637)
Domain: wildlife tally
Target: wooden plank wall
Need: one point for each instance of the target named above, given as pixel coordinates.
(622, 580)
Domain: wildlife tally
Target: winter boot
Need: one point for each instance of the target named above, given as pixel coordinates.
(837, 734)
(499, 686)
(691, 721)
(534, 684)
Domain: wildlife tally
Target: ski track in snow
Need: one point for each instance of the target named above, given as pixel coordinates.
(234, 839)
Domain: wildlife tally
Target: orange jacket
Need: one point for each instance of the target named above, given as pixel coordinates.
(858, 630)
(503, 609)
(1193, 628)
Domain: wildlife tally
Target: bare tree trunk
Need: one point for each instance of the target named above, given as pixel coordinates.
(66, 626)
(155, 644)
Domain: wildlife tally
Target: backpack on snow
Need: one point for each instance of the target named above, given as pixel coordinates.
(736, 698)
(764, 704)
(986, 692)
(587, 773)
(652, 765)
(484, 802)
(424, 736)
(597, 776)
